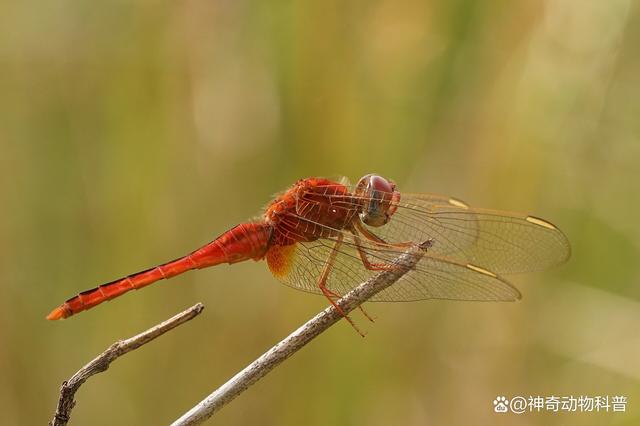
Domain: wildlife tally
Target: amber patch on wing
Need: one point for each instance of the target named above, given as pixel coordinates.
(280, 259)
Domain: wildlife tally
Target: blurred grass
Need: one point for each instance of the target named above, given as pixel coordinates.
(132, 133)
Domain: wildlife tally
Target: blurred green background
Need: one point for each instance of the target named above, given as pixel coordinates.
(133, 132)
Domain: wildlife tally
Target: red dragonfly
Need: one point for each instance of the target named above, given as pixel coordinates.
(322, 236)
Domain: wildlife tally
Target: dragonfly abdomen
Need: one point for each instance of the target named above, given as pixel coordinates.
(243, 242)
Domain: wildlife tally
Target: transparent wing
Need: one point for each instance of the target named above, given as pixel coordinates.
(432, 278)
(470, 248)
(502, 242)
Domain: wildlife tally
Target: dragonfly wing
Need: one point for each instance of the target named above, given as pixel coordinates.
(432, 278)
(305, 262)
(435, 278)
(502, 242)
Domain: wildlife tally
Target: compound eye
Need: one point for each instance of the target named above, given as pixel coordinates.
(370, 184)
(380, 184)
(377, 195)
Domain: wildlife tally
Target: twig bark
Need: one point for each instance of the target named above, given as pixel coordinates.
(299, 338)
(101, 362)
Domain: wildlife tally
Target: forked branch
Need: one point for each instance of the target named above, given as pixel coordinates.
(299, 338)
(101, 362)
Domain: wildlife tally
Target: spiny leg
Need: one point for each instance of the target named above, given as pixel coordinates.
(378, 241)
(369, 235)
(334, 294)
(370, 266)
(329, 294)
(363, 256)
(378, 266)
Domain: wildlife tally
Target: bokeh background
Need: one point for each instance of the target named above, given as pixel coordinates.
(133, 132)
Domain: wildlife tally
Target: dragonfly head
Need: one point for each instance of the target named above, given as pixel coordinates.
(378, 199)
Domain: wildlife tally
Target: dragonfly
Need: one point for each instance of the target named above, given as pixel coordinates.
(325, 236)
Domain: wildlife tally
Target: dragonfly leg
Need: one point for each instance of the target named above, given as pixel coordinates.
(369, 235)
(363, 256)
(334, 294)
(330, 294)
(373, 237)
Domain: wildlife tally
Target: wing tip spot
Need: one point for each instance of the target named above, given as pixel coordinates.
(458, 203)
(540, 222)
(480, 270)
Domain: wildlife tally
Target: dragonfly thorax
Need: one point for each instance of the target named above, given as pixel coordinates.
(312, 208)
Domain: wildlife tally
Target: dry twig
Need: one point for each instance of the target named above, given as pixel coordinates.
(299, 338)
(101, 362)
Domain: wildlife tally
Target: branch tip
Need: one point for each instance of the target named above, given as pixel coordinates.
(102, 362)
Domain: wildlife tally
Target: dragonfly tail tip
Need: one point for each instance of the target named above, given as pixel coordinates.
(57, 313)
